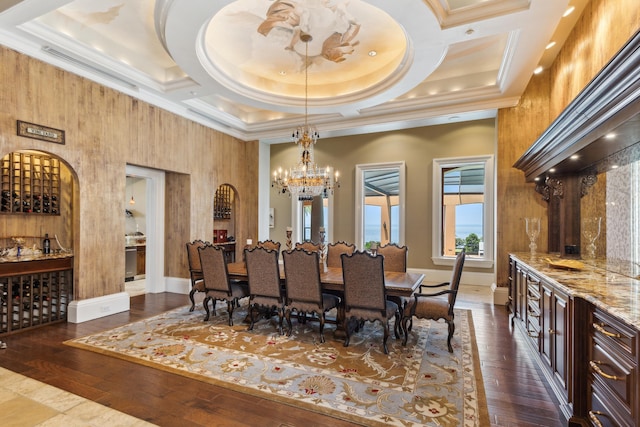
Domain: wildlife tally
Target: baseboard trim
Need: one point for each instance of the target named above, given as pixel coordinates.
(95, 308)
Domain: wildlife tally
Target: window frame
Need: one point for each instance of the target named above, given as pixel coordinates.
(488, 258)
(359, 198)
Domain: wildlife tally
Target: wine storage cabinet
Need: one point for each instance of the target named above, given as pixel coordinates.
(222, 202)
(30, 184)
(34, 293)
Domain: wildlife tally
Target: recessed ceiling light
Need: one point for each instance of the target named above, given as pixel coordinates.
(574, 157)
(614, 166)
(610, 136)
(552, 170)
(569, 11)
(373, 53)
(550, 45)
(537, 178)
(538, 69)
(283, 73)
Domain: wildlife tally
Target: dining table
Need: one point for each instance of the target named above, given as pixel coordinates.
(400, 284)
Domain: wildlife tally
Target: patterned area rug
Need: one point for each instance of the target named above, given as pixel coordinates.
(420, 384)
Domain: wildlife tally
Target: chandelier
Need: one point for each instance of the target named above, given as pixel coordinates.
(305, 180)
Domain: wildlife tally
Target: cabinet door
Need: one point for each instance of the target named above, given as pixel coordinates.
(141, 254)
(559, 333)
(546, 327)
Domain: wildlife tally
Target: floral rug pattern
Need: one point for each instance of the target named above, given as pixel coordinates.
(420, 384)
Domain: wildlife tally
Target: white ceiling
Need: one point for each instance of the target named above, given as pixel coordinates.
(238, 66)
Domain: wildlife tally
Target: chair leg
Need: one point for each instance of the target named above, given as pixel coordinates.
(348, 325)
(396, 325)
(251, 318)
(386, 335)
(230, 306)
(205, 303)
(288, 317)
(321, 316)
(452, 329)
(405, 329)
(193, 301)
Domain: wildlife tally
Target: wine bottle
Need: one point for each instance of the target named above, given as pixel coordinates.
(46, 245)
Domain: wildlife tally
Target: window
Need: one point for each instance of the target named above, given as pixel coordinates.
(463, 210)
(380, 204)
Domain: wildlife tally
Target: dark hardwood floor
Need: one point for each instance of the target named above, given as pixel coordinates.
(516, 393)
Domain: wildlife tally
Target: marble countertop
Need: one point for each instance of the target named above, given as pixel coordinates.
(599, 282)
(35, 257)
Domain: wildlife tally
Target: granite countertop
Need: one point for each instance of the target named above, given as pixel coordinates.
(600, 282)
(39, 256)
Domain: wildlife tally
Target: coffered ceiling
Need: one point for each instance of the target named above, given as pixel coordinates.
(241, 66)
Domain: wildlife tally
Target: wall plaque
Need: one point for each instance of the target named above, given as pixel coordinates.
(31, 130)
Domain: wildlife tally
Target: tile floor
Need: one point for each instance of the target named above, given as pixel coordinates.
(27, 402)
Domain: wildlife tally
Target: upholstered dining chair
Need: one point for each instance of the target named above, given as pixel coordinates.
(308, 246)
(395, 259)
(365, 296)
(334, 250)
(438, 305)
(195, 270)
(304, 289)
(218, 286)
(263, 274)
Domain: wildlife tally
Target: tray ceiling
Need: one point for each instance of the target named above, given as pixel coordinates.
(239, 66)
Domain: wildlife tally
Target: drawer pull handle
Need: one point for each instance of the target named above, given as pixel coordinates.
(552, 331)
(594, 365)
(602, 330)
(532, 314)
(532, 298)
(593, 416)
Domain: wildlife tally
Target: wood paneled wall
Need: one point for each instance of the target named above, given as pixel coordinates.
(105, 131)
(601, 31)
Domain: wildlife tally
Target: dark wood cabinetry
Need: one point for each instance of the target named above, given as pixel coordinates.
(542, 313)
(141, 258)
(587, 354)
(35, 293)
(612, 382)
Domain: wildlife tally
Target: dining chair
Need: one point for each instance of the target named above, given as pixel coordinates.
(263, 273)
(438, 305)
(334, 250)
(304, 289)
(218, 286)
(395, 259)
(365, 296)
(309, 246)
(195, 270)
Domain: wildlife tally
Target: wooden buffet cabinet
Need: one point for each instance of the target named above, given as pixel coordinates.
(583, 328)
(35, 291)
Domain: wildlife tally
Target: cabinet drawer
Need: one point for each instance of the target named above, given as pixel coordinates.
(606, 412)
(613, 372)
(614, 334)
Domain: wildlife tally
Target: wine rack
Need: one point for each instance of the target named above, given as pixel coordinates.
(222, 202)
(36, 293)
(30, 184)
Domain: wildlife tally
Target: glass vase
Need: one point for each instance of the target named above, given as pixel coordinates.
(532, 227)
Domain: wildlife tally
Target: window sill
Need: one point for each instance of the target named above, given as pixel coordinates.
(468, 261)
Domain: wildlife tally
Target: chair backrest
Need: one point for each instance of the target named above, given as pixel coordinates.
(302, 276)
(193, 256)
(363, 276)
(395, 257)
(214, 268)
(334, 250)
(454, 284)
(263, 272)
(269, 244)
(309, 246)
